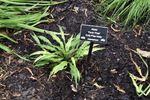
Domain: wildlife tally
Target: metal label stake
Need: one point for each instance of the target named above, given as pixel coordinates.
(94, 34)
(89, 54)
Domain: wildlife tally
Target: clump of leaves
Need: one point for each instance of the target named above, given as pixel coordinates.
(139, 87)
(17, 14)
(64, 55)
(126, 11)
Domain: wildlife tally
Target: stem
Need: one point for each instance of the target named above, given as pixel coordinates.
(37, 29)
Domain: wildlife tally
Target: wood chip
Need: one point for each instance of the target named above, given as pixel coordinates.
(139, 28)
(16, 94)
(114, 35)
(73, 88)
(135, 32)
(114, 29)
(3, 98)
(113, 71)
(86, 13)
(74, 11)
(61, 19)
(3, 85)
(119, 89)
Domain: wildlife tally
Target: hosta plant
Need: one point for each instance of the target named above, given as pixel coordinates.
(64, 55)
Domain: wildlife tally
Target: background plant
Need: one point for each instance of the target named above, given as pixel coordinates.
(135, 79)
(17, 14)
(64, 55)
(125, 11)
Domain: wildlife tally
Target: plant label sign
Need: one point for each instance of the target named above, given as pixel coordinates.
(93, 33)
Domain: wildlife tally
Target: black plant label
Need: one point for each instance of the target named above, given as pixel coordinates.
(93, 33)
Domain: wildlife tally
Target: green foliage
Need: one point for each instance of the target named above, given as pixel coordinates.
(66, 54)
(99, 86)
(126, 11)
(5, 48)
(18, 14)
(139, 87)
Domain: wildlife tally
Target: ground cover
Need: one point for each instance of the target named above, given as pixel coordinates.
(107, 77)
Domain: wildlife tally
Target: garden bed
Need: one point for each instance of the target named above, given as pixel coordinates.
(110, 68)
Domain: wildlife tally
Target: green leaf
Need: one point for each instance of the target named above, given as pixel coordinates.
(8, 37)
(45, 39)
(40, 52)
(58, 68)
(99, 86)
(68, 44)
(5, 48)
(57, 39)
(42, 63)
(35, 38)
(74, 71)
(47, 47)
(62, 34)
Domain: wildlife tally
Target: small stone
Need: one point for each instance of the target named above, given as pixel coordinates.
(25, 50)
(116, 26)
(99, 79)
(76, 8)
(32, 91)
(20, 61)
(114, 53)
(82, 9)
(118, 59)
(25, 93)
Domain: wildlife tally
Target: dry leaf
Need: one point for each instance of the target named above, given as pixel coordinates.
(53, 75)
(137, 78)
(114, 29)
(139, 28)
(118, 88)
(27, 69)
(137, 67)
(143, 53)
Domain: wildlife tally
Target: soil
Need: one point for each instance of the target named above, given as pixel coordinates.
(20, 80)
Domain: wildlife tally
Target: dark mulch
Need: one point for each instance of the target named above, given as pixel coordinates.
(109, 68)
